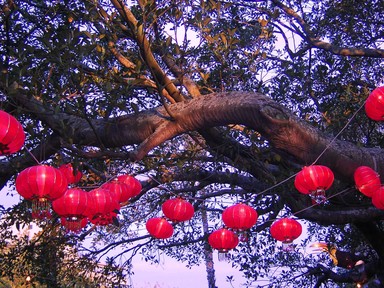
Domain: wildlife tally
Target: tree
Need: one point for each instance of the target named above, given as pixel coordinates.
(215, 101)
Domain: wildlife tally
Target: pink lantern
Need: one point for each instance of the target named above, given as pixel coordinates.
(104, 207)
(119, 190)
(240, 217)
(159, 228)
(132, 182)
(12, 135)
(286, 230)
(178, 209)
(72, 207)
(223, 240)
(374, 106)
(314, 180)
(41, 184)
(73, 176)
(367, 180)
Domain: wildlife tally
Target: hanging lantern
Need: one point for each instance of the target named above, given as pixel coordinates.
(178, 210)
(12, 135)
(367, 180)
(159, 228)
(314, 180)
(286, 230)
(41, 184)
(72, 206)
(132, 182)
(104, 207)
(378, 198)
(374, 106)
(240, 217)
(223, 240)
(68, 225)
(73, 176)
(119, 190)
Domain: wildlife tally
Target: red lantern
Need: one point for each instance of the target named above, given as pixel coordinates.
(178, 210)
(367, 180)
(374, 106)
(378, 198)
(286, 230)
(72, 206)
(73, 176)
(69, 225)
(314, 180)
(119, 190)
(159, 228)
(223, 240)
(12, 135)
(239, 217)
(41, 184)
(132, 182)
(104, 207)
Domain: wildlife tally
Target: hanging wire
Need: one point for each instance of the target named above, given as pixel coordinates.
(33, 156)
(338, 134)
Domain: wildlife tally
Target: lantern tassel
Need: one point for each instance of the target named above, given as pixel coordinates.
(223, 256)
(41, 209)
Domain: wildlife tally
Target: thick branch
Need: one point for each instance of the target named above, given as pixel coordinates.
(151, 128)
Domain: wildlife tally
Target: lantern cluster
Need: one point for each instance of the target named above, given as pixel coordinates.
(314, 180)
(238, 219)
(374, 106)
(286, 230)
(43, 185)
(368, 183)
(175, 210)
(12, 135)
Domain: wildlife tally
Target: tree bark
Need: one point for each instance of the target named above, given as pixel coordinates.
(150, 128)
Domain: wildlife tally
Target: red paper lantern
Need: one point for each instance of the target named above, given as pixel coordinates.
(73, 176)
(223, 240)
(314, 180)
(12, 135)
(132, 182)
(367, 180)
(178, 210)
(41, 184)
(378, 198)
(374, 106)
(159, 228)
(239, 217)
(68, 225)
(119, 190)
(72, 207)
(286, 230)
(104, 207)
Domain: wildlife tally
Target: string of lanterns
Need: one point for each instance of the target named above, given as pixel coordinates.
(43, 185)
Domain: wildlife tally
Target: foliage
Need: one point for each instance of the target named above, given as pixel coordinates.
(95, 61)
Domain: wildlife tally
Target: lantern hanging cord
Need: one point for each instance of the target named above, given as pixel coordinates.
(316, 204)
(33, 156)
(338, 134)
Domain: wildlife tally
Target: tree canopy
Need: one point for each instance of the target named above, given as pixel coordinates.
(218, 102)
